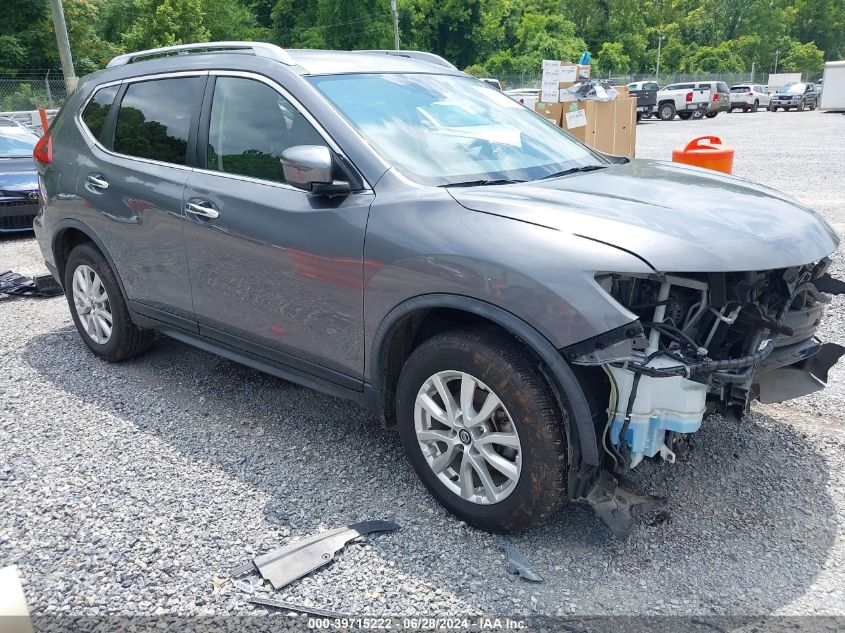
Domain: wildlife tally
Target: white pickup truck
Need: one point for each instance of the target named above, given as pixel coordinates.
(676, 98)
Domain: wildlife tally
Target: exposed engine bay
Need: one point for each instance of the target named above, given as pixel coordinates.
(706, 342)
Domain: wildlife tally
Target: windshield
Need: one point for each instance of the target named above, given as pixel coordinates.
(446, 130)
(17, 143)
(792, 89)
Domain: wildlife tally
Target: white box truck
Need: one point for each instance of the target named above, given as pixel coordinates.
(833, 87)
(779, 80)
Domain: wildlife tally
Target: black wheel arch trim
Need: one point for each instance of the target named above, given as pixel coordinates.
(563, 379)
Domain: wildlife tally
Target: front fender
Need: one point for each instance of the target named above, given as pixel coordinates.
(581, 436)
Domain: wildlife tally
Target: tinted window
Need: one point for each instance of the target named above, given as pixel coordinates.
(740, 89)
(155, 117)
(251, 125)
(722, 86)
(94, 115)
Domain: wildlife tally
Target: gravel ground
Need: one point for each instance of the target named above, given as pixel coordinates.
(134, 488)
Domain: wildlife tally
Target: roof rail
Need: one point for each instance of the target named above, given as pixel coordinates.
(259, 49)
(423, 56)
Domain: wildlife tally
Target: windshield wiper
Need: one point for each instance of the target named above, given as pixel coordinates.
(574, 170)
(480, 183)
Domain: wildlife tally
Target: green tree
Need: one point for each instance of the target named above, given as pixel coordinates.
(612, 58)
(804, 58)
(349, 25)
(166, 23)
(450, 28)
(477, 70)
(12, 55)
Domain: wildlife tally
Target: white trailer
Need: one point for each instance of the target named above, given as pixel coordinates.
(833, 87)
(779, 80)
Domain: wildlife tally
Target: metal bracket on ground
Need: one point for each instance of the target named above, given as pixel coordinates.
(284, 565)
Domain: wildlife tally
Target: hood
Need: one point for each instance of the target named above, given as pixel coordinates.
(17, 174)
(677, 218)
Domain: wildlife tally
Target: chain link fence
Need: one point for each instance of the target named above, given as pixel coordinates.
(31, 91)
(533, 79)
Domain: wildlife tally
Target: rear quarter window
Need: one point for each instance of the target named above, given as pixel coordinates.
(95, 113)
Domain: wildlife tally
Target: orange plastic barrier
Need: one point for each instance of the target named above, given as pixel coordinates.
(707, 152)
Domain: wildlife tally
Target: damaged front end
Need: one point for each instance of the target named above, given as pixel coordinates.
(704, 342)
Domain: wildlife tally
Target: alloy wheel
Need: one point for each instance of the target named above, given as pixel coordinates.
(92, 304)
(467, 437)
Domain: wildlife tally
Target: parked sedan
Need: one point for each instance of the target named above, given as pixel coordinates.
(18, 177)
(749, 97)
(798, 95)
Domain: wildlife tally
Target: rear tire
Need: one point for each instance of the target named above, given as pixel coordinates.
(98, 307)
(711, 115)
(666, 111)
(684, 116)
(756, 106)
(529, 434)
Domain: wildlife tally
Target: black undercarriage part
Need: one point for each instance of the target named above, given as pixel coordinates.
(41, 285)
(619, 504)
(286, 564)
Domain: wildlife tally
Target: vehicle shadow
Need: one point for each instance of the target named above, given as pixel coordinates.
(748, 528)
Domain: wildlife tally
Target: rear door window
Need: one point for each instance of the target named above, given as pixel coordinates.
(155, 117)
(251, 125)
(95, 113)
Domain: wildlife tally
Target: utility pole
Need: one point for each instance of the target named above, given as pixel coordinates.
(64, 45)
(657, 70)
(777, 52)
(395, 24)
(752, 72)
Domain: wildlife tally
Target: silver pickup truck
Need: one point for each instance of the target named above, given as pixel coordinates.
(681, 98)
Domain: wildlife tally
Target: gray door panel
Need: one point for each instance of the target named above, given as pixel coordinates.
(140, 220)
(279, 268)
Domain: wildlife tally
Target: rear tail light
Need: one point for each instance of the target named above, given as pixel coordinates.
(750, 94)
(689, 97)
(716, 97)
(43, 151)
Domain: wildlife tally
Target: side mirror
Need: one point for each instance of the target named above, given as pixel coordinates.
(309, 167)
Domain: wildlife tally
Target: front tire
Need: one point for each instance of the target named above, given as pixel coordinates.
(756, 106)
(481, 429)
(98, 308)
(800, 107)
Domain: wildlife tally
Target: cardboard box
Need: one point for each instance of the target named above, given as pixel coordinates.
(550, 111)
(608, 126)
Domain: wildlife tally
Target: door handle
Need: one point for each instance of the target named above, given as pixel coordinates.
(98, 182)
(201, 210)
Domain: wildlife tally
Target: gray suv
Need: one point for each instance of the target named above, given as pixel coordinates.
(536, 318)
